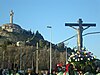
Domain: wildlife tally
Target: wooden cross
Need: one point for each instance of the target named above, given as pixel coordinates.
(80, 30)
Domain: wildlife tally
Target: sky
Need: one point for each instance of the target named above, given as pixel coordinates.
(38, 14)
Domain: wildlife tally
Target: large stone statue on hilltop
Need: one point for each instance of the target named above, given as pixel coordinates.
(11, 16)
(11, 27)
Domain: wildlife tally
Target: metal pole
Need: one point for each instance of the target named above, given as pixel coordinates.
(66, 55)
(25, 62)
(37, 59)
(20, 58)
(32, 60)
(50, 52)
(3, 59)
(32, 57)
(24, 65)
(50, 48)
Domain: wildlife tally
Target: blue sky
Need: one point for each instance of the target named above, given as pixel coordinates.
(38, 14)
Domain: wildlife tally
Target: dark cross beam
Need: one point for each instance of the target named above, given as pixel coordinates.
(80, 31)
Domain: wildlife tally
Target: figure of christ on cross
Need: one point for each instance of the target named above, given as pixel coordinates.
(79, 31)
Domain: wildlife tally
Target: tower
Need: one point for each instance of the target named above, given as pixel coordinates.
(11, 16)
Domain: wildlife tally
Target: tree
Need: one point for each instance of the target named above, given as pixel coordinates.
(61, 46)
(4, 48)
(41, 43)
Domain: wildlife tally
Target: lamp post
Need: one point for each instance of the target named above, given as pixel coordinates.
(50, 47)
(19, 43)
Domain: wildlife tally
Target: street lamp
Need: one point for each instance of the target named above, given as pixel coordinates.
(50, 47)
(20, 44)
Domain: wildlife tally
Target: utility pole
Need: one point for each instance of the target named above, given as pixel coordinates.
(3, 60)
(66, 53)
(20, 59)
(37, 58)
(79, 31)
(32, 60)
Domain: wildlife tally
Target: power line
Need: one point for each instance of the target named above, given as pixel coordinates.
(82, 35)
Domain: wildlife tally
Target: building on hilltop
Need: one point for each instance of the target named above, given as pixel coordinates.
(11, 27)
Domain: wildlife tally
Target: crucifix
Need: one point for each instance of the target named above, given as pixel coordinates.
(80, 30)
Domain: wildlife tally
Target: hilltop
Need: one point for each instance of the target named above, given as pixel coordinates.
(22, 35)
